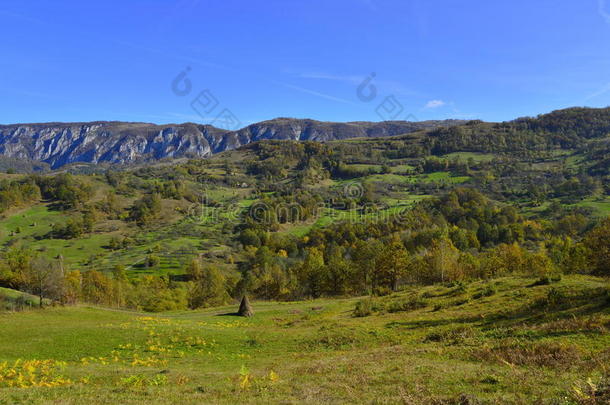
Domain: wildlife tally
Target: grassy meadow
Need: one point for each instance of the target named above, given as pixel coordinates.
(510, 340)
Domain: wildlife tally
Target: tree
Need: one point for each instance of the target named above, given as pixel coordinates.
(442, 261)
(569, 256)
(597, 242)
(571, 225)
(311, 273)
(364, 256)
(338, 270)
(208, 288)
(264, 274)
(156, 294)
(44, 278)
(249, 237)
(271, 282)
(119, 274)
(146, 209)
(391, 264)
(194, 270)
(539, 264)
(503, 259)
(110, 204)
(72, 287)
(88, 220)
(97, 288)
(73, 228)
(17, 261)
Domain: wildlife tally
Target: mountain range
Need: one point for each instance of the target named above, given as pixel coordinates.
(57, 144)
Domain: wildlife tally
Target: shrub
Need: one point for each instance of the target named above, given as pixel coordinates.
(452, 336)
(152, 261)
(486, 292)
(382, 291)
(554, 299)
(544, 280)
(367, 307)
(363, 308)
(490, 379)
(410, 304)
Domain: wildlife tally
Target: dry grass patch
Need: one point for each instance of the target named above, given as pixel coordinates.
(549, 354)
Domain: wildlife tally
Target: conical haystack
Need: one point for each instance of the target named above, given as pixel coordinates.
(244, 308)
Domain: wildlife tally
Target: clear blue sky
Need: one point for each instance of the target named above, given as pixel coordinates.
(116, 60)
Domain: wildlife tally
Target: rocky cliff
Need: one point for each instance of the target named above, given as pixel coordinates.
(58, 144)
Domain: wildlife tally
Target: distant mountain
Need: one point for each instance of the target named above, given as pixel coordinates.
(59, 144)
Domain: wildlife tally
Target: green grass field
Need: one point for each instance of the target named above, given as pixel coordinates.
(9, 300)
(600, 206)
(477, 157)
(28, 223)
(501, 341)
(176, 240)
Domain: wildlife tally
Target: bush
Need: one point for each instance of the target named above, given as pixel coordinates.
(486, 292)
(366, 307)
(452, 336)
(382, 291)
(546, 280)
(555, 299)
(152, 261)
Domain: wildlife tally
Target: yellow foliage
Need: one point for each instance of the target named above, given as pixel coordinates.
(244, 382)
(32, 373)
(273, 377)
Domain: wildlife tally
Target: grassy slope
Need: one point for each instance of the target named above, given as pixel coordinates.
(9, 299)
(320, 353)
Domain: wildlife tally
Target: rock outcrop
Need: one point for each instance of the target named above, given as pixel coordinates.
(58, 144)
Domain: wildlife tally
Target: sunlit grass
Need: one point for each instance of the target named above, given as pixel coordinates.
(316, 351)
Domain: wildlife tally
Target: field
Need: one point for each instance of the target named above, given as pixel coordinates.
(396, 217)
(510, 340)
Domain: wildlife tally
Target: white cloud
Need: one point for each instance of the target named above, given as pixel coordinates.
(435, 103)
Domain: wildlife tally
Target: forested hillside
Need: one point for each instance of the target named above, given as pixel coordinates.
(296, 219)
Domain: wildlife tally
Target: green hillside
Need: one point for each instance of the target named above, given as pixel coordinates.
(507, 340)
(459, 265)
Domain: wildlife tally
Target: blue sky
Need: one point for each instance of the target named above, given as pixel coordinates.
(247, 61)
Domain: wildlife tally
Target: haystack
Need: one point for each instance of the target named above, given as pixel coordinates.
(244, 308)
